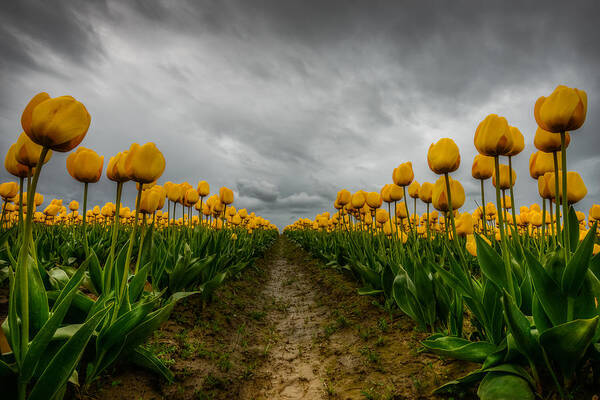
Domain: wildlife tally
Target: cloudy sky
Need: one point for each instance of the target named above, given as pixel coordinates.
(286, 102)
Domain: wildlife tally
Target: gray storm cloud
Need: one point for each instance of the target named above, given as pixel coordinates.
(288, 102)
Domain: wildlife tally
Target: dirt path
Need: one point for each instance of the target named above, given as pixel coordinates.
(290, 328)
(292, 369)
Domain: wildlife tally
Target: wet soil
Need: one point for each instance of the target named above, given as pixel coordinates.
(289, 328)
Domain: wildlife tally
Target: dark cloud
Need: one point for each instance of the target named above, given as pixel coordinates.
(289, 101)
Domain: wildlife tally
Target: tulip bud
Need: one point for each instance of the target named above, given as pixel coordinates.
(226, 195)
(28, 153)
(518, 142)
(385, 193)
(443, 156)
(374, 200)
(564, 110)
(504, 177)
(413, 189)
(343, 197)
(115, 171)
(540, 163)
(483, 167)
(73, 206)
(144, 164)
(403, 175)
(464, 224)
(9, 190)
(440, 194)
(549, 142)
(203, 188)
(358, 200)
(493, 136)
(85, 165)
(58, 123)
(382, 216)
(13, 166)
(426, 192)
(576, 189)
(396, 192)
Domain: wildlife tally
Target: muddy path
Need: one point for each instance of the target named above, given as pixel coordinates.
(289, 328)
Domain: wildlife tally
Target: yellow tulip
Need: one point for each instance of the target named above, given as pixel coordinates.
(343, 197)
(149, 201)
(540, 163)
(426, 192)
(28, 153)
(493, 136)
(358, 200)
(464, 224)
(85, 165)
(58, 123)
(595, 212)
(396, 192)
(549, 142)
(9, 190)
(504, 177)
(471, 245)
(483, 167)
(564, 110)
(226, 195)
(13, 166)
(576, 189)
(374, 200)
(191, 197)
(403, 175)
(203, 189)
(382, 216)
(518, 142)
(115, 171)
(144, 164)
(440, 194)
(385, 193)
(73, 206)
(443, 157)
(401, 211)
(413, 189)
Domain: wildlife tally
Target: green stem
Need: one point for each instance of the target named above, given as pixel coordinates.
(450, 210)
(483, 208)
(406, 206)
(21, 202)
(85, 241)
(130, 248)
(557, 196)
(565, 199)
(507, 265)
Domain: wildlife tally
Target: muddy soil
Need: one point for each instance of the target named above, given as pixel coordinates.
(290, 328)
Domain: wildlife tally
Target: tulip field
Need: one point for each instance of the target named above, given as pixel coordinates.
(503, 298)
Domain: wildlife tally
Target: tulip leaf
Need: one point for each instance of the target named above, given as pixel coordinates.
(44, 336)
(491, 263)
(577, 267)
(567, 343)
(149, 361)
(95, 272)
(520, 328)
(62, 365)
(460, 349)
(504, 386)
(573, 229)
(547, 291)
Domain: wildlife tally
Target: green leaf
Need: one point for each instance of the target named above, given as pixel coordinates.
(567, 343)
(503, 386)
(44, 336)
(74, 282)
(460, 349)
(136, 286)
(146, 359)
(520, 328)
(491, 263)
(547, 290)
(577, 267)
(62, 365)
(95, 272)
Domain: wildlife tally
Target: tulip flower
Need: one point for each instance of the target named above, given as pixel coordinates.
(564, 110)
(441, 198)
(576, 189)
(144, 164)
(549, 142)
(443, 157)
(493, 136)
(59, 123)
